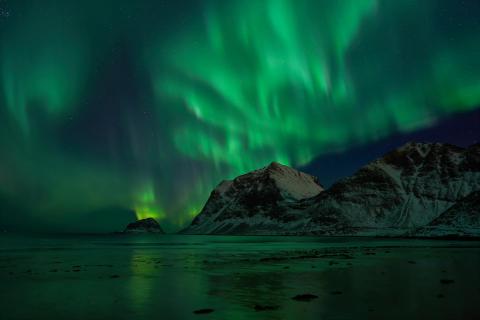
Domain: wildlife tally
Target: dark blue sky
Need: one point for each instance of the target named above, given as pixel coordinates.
(461, 129)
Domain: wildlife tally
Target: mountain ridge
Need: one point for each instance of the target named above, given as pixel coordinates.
(257, 200)
(403, 190)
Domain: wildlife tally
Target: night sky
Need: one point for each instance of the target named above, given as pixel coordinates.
(111, 109)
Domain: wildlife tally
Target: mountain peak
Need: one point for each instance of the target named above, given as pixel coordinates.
(420, 147)
(275, 165)
(408, 187)
(293, 183)
(269, 194)
(424, 147)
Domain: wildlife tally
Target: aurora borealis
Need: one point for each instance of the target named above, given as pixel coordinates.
(147, 105)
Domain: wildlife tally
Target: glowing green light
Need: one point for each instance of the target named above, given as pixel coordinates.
(149, 112)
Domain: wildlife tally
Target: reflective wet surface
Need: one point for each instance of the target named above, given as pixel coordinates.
(172, 276)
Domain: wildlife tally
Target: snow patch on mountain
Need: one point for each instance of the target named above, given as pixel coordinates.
(269, 200)
(462, 219)
(405, 189)
(292, 183)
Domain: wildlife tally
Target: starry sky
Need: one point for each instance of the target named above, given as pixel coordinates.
(115, 109)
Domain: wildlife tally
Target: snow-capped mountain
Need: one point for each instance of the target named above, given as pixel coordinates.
(462, 219)
(394, 195)
(407, 188)
(266, 201)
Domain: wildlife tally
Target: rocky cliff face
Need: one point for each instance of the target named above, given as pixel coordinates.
(460, 220)
(266, 201)
(407, 188)
(148, 225)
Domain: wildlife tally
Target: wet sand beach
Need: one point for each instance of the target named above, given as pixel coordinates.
(220, 277)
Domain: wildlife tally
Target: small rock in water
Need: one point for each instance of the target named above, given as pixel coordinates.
(259, 307)
(412, 262)
(114, 276)
(337, 256)
(440, 296)
(203, 311)
(446, 281)
(305, 297)
(148, 225)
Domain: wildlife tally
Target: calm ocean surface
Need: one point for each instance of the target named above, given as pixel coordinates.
(171, 276)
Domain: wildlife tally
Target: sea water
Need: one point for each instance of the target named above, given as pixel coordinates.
(171, 276)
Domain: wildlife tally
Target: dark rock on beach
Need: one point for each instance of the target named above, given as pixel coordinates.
(305, 297)
(446, 281)
(203, 311)
(259, 307)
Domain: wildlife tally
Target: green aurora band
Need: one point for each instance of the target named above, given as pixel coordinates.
(233, 85)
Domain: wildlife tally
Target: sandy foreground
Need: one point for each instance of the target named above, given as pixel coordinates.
(217, 277)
